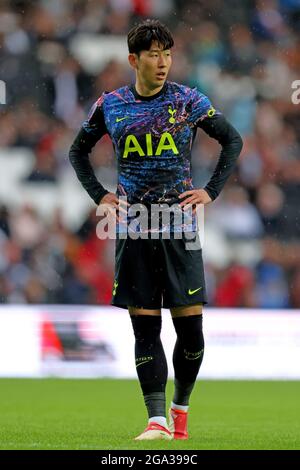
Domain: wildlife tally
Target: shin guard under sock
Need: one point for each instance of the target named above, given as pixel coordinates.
(187, 356)
(150, 360)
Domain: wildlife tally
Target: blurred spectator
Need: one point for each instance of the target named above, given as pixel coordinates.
(268, 22)
(235, 288)
(66, 89)
(270, 199)
(45, 168)
(244, 221)
(4, 222)
(272, 288)
(27, 228)
(35, 292)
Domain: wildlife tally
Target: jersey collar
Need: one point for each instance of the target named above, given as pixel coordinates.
(147, 98)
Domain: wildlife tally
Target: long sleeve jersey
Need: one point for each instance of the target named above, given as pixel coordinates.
(152, 138)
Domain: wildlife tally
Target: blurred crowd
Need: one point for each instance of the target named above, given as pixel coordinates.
(243, 55)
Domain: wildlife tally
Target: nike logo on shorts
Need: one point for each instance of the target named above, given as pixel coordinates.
(191, 292)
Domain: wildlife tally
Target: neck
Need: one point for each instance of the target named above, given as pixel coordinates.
(144, 90)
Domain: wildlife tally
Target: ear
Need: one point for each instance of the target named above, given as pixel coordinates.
(132, 59)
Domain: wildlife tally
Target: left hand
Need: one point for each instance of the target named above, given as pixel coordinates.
(193, 197)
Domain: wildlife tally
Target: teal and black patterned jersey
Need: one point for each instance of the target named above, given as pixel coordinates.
(152, 138)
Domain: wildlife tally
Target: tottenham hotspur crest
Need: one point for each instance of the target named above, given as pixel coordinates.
(172, 112)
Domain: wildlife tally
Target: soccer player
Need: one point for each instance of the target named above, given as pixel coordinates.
(152, 125)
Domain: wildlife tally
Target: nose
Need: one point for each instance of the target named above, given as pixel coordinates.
(162, 61)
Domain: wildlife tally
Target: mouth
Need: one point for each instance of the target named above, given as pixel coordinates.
(161, 75)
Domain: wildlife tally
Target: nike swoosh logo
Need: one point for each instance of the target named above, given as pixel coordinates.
(191, 292)
(194, 358)
(121, 119)
(144, 362)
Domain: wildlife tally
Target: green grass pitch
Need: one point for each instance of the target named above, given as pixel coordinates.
(108, 414)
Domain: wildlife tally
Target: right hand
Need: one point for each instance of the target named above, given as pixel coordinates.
(113, 206)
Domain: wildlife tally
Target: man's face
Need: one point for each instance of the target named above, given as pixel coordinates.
(153, 66)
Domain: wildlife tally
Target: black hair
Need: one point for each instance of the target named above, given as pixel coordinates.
(141, 36)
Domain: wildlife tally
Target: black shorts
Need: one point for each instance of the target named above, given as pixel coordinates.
(158, 273)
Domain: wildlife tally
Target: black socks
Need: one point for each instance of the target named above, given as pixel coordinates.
(151, 364)
(187, 356)
(150, 360)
